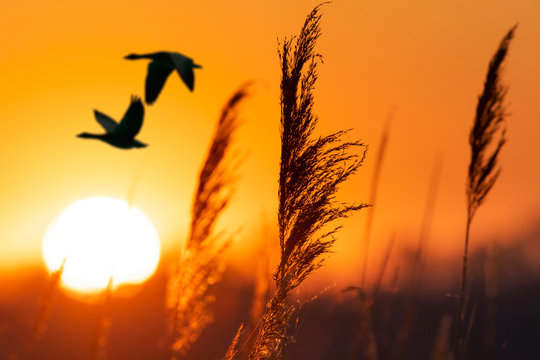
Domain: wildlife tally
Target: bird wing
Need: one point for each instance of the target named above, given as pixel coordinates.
(131, 123)
(106, 122)
(160, 55)
(155, 79)
(184, 67)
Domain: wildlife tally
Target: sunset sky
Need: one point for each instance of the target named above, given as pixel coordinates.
(425, 60)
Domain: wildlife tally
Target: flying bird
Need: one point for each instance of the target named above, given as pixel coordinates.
(161, 66)
(121, 135)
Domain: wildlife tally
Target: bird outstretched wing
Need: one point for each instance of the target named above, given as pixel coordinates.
(106, 122)
(131, 123)
(155, 80)
(184, 66)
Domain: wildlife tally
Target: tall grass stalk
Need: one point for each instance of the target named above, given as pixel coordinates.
(483, 171)
(44, 312)
(98, 348)
(491, 269)
(383, 266)
(370, 214)
(427, 222)
(201, 265)
(441, 348)
(417, 272)
(233, 348)
(311, 171)
(134, 184)
(263, 281)
(261, 293)
(367, 341)
(365, 346)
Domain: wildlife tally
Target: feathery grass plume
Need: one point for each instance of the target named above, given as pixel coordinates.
(373, 192)
(98, 349)
(483, 169)
(44, 312)
(311, 171)
(200, 265)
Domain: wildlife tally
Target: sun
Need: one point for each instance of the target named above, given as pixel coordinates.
(101, 238)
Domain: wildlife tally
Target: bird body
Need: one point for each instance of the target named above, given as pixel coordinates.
(159, 69)
(121, 135)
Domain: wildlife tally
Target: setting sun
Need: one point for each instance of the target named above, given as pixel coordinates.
(100, 238)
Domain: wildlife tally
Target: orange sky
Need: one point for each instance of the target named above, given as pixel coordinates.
(62, 59)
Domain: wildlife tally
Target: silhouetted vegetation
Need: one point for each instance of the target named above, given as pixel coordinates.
(200, 264)
(311, 171)
(378, 323)
(483, 168)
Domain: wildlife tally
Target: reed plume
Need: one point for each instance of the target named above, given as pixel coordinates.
(200, 265)
(311, 171)
(484, 170)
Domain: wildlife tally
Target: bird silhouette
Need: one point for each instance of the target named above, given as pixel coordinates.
(159, 69)
(121, 135)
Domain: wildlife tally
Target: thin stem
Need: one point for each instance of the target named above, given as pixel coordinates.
(45, 308)
(460, 314)
(373, 193)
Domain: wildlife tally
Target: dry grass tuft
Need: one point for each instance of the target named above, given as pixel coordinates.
(200, 265)
(311, 171)
(483, 169)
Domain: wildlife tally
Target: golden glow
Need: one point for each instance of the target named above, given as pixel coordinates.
(101, 238)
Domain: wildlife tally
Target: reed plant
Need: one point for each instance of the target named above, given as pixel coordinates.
(311, 171)
(201, 264)
(366, 344)
(487, 137)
